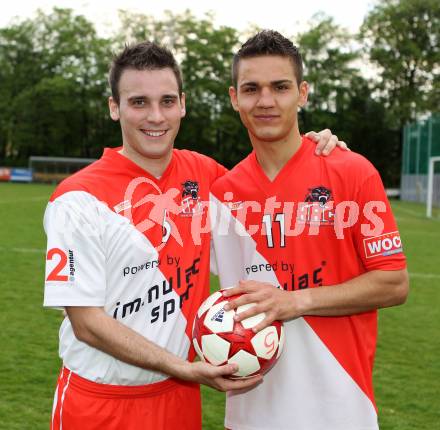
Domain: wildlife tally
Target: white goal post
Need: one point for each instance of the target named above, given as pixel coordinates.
(430, 187)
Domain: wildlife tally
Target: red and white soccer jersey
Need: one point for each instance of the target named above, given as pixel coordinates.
(138, 246)
(320, 222)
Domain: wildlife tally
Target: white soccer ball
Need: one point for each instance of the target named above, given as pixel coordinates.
(218, 339)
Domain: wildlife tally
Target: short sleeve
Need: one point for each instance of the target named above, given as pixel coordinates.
(75, 258)
(376, 234)
(216, 170)
(220, 170)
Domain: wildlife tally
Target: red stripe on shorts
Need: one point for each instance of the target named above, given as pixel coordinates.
(87, 405)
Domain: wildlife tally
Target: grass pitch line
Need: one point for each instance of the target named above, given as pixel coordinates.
(29, 199)
(415, 214)
(23, 250)
(407, 211)
(424, 275)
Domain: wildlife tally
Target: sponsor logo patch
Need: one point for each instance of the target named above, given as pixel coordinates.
(58, 260)
(385, 244)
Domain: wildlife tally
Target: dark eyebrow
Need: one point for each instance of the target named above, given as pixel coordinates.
(144, 98)
(273, 83)
(170, 96)
(135, 98)
(282, 81)
(249, 84)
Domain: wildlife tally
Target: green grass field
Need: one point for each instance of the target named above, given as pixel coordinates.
(407, 371)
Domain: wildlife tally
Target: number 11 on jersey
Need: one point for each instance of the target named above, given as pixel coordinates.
(268, 226)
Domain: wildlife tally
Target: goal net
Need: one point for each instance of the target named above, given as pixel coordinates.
(55, 169)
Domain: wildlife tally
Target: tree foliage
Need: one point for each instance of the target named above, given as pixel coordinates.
(402, 38)
(53, 81)
(53, 86)
(341, 99)
(329, 58)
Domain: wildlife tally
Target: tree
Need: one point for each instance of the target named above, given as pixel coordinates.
(16, 72)
(342, 99)
(402, 38)
(52, 87)
(329, 67)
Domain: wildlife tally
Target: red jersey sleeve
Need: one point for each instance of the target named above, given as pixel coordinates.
(217, 171)
(375, 234)
(208, 167)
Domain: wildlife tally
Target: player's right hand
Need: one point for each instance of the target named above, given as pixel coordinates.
(326, 141)
(217, 376)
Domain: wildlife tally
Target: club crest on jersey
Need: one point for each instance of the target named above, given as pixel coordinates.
(318, 207)
(191, 204)
(190, 188)
(319, 194)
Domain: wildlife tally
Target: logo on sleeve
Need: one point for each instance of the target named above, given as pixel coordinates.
(58, 261)
(385, 244)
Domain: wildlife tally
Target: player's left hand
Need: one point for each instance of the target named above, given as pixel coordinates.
(277, 304)
(326, 141)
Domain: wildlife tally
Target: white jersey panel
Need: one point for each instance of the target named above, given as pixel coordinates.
(75, 253)
(291, 392)
(114, 262)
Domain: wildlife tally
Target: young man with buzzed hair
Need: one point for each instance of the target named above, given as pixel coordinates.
(319, 229)
(123, 262)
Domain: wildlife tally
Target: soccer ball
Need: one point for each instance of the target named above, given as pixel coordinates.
(218, 339)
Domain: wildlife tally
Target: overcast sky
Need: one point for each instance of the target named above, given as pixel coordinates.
(286, 16)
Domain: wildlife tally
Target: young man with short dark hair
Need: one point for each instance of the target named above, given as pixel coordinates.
(319, 229)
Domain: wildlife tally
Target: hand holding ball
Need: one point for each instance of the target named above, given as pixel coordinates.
(218, 339)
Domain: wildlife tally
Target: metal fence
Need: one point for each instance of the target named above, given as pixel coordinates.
(55, 169)
(421, 140)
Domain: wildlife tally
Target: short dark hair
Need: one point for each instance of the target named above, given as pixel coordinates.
(268, 42)
(142, 56)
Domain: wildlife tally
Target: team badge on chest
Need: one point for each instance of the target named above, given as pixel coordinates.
(191, 203)
(318, 207)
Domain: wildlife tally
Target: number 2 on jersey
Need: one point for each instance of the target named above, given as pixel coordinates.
(54, 275)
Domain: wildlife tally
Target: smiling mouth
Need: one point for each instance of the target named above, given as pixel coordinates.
(152, 133)
(266, 117)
